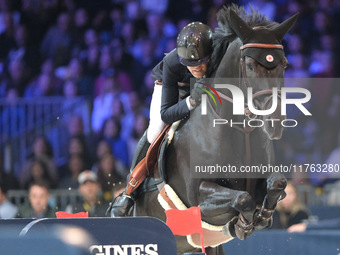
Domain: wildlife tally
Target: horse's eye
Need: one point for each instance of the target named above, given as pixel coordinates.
(251, 66)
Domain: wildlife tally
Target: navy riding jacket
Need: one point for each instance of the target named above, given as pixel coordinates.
(170, 71)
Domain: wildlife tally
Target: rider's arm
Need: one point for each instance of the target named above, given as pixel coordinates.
(171, 109)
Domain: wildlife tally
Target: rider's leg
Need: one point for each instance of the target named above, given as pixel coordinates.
(123, 206)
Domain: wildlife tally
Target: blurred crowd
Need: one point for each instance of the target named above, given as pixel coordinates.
(105, 50)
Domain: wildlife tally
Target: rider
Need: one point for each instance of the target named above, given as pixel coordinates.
(191, 58)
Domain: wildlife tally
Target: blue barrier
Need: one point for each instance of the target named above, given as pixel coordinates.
(325, 212)
(123, 236)
(280, 242)
(150, 236)
(52, 243)
(14, 225)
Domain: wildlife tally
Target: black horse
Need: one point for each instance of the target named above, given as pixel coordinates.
(234, 207)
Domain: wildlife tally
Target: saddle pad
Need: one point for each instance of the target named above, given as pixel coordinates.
(212, 235)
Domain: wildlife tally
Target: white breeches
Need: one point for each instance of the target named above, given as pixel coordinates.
(156, 124)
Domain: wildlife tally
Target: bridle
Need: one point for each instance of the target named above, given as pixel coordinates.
(247, 129)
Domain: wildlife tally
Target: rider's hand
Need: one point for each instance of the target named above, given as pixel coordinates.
(196, 93)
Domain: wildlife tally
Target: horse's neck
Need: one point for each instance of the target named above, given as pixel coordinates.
(230, 63)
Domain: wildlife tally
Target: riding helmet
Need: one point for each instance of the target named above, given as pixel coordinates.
(194, 44)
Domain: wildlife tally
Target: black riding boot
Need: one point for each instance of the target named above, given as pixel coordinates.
(122, 206)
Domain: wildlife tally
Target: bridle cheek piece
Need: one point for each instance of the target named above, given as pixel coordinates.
(247, 130)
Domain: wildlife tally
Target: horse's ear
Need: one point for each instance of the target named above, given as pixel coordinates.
(239, 26)
(285, 26)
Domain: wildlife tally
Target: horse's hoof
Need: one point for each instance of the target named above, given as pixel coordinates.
(246, 205)
(277, 185)
(243, 230)
(263, 218)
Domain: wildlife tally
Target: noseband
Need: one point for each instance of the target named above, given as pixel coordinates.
(247, 129)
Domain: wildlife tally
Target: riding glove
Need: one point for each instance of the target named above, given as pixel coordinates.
(196, 93)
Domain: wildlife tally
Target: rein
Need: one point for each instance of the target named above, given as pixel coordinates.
(247, 129)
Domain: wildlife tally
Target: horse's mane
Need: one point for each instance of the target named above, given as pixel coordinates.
(224, 34)
(253, 19)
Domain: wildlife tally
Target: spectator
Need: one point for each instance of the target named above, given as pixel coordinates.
(57, 41)
(75, 165)
(213, 10)
(131, 38)
(111, 132)
(8, 178)
(267, 7)
(16, 76)
(290, 210)
(106, 72)
(117, 19)
(81, 24)
(126, 120)
(121, 59)
(47, 67)
(75, 71)
(25, 51)
(92, 201)
(13, 115)
(36, 171)
(41, 87)
(38, 206)
(144, 63)
(7, 209)
(90, 57)
(74, 127)
(295, 44)
(321, 65)
(91, 38)
(321, 25)
(148, 88)
(111, 174)
(78, 145)
(103, 147)
(74, 106)
(7, 35)
(102, 104)
(298, 68)
(155, 26)
(42, 151)
(154, 6)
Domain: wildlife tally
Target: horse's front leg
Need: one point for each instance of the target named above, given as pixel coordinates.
(276, 184)
(224, 206)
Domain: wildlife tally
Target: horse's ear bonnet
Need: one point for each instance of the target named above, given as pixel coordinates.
(267, 57)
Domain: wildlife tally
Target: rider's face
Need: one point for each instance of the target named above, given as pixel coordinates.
(198, 71)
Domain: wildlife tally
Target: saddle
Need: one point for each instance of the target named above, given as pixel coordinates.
(151, 167)
(153, 153)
